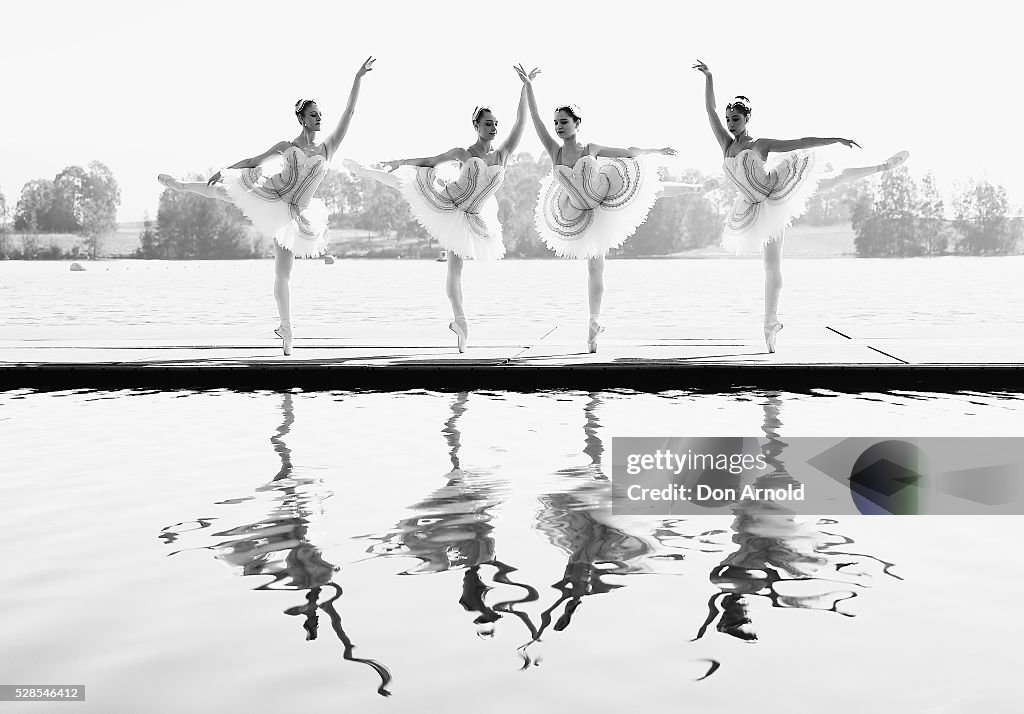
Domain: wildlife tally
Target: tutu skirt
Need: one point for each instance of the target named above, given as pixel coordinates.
(277, 198)
(585, 211)
(460, 215)
(770, 198)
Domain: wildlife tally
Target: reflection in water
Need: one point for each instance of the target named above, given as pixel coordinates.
(793, 564)
(278, 546)
(578, 521)
(452, 528)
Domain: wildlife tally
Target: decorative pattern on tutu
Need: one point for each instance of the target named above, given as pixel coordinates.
(585, 211)
(277, 196)
(462, 215)
(769, 198)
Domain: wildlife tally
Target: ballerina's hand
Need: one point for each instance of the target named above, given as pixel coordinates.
(702, 68)
(527, 77)
(214, 179)
(849, 143)
(366, 66)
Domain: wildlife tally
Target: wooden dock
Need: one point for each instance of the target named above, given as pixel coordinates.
(808, 357)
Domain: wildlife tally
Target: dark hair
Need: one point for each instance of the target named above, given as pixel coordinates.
(300, 106)
(478, 112)
(572, 110)
(740, 104)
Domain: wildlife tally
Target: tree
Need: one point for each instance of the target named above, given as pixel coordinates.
(517, 201)
(34, 202)
(981, 215)
(191, 226)
(5, 241)
(149, 240)
(98, 208)
(64, 213)
(932, 228)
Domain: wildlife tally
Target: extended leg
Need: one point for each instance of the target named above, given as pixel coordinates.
(385, 177)
(849, 175)
(197, 187)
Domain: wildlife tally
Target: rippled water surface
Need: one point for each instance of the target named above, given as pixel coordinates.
(420, 551)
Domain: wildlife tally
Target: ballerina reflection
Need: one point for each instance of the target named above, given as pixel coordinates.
(791, 563)
(452, 528)
(578, 520)
(279, 547)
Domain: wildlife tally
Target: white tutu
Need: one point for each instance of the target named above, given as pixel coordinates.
(277, 196)
(462, 215)
(770, 198)
(585, 211)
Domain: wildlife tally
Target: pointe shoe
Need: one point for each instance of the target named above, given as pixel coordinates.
(709, 186)
(595, 329)
(895, 160)
(771, 329)
(167, 180)
(461, 331)
(285, 333)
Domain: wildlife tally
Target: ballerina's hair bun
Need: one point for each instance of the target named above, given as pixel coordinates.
(572, 110)
(300, 106)
(739, 103)
(478, 111)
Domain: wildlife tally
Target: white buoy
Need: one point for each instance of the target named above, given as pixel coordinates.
(75, 267)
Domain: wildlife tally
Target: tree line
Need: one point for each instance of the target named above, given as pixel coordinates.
(891, 215)
(82, 202)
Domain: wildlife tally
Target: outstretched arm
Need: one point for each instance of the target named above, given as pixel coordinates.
(252, 162)
(332, 142)
(632, 152)
(550, 145)
(721, 133)
(516, 134)
(456, 154)
(808, 142)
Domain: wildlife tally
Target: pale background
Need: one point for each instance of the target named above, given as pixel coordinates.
(151, 87)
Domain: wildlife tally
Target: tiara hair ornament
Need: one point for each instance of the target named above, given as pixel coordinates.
(477, 111)
(571, 109)
(300, 105)
(739, 101)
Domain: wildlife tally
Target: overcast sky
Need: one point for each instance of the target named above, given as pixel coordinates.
(183, 86)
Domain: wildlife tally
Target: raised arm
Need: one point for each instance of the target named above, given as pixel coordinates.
(510, 144)
(550, 145)
(252, 162)
(333, 141)
(721, 133)
(808, 142)
(456, 154)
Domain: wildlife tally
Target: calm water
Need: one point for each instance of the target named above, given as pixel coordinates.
(221, 552)
(359, 298)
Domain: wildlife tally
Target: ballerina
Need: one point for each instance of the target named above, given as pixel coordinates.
(770, 197)
(595, 196)
(461, 215)
(275, 191)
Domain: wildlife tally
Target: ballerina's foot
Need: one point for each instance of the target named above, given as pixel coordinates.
(285, 333)
(595, 329)
(709, 186)
(461, 330)
(168, 181)
(895, 160)
(771, 330)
